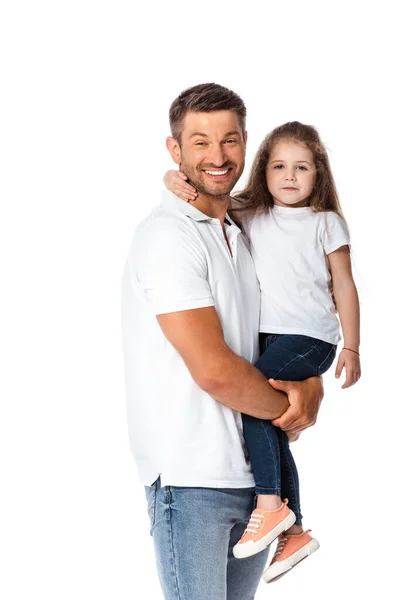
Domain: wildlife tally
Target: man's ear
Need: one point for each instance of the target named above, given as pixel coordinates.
(174, 150)
(245, 138)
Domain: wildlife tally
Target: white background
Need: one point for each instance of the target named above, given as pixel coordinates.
(86, 88)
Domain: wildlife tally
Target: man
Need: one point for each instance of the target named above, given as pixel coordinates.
(190, 319)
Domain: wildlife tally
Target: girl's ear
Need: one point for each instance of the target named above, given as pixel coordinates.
(174, 149)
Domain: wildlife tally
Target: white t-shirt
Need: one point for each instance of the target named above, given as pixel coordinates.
(179, 260)
(289, 248)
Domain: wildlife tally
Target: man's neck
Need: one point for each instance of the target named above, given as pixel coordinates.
(212, 206)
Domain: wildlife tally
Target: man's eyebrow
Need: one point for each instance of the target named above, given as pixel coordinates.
(199, 134)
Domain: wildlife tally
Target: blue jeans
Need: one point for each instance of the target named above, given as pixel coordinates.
(194, 530)
(289, 358)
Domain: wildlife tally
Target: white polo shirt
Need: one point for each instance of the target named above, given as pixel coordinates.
(179, 260)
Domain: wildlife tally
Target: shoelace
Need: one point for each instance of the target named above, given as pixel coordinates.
(254, 523)
(279, 548)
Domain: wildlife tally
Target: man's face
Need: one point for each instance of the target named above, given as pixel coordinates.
(212, 151)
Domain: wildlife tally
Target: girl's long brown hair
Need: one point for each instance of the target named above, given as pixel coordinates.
(256, 197)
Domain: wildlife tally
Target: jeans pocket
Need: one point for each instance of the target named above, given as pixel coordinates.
(327, 362)
(265, 340)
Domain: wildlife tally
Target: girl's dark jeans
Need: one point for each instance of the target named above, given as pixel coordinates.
(289, 358)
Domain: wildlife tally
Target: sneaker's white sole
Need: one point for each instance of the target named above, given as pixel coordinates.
(250, 548)
(280, 568)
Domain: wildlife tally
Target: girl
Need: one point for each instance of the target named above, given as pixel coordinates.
(299, 241)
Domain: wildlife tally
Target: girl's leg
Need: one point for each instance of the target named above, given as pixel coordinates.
(269, 451)
(290, 358)
(289, 477)
(309, 357)
(271, 516)
(305, 357)
(263, 446)
(261, 437)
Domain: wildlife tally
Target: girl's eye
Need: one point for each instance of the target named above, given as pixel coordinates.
(302, 168)
(278, 166)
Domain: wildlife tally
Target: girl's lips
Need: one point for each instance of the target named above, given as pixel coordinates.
(289, 188)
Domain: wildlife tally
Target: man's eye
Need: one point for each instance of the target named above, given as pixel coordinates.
(231, 141)
(200, 143)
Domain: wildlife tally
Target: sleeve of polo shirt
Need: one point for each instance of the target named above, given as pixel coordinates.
(335, 233)
(171, 267)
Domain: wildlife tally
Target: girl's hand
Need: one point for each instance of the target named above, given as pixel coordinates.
(175, 181)
(351, 362)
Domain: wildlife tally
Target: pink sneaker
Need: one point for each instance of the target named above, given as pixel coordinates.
(263, 528)
(291, 549)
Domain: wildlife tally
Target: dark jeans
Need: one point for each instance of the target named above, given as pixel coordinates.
(289, 358)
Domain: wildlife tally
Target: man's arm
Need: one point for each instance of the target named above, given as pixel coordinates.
(169, 263)
(198, 337)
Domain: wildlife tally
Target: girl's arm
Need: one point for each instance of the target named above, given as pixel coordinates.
(346, 299)
(175, 181)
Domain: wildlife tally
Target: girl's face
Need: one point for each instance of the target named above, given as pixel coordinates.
(291, 173)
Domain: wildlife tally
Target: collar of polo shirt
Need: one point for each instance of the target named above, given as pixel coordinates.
(170, 200)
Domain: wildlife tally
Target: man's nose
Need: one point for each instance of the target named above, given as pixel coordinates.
(217, 155)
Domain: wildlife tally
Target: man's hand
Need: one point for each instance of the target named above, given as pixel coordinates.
(304, 399)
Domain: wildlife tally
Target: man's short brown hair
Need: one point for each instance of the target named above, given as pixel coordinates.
(206, 97)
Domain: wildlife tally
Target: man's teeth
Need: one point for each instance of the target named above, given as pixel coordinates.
(217, 172)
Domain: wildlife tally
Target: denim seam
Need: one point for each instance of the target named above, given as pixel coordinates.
(292, 487)
(272, 452)
(172, 543)
(327, 357)
(297, 358)
(153, 513)
(272, 491)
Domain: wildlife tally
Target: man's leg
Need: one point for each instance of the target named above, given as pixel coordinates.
(244, 574)
(194, 530)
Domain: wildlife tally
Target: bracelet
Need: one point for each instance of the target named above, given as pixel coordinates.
(355, 352)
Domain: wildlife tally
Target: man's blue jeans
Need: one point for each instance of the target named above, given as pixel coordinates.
(288, 358)
(194, 530)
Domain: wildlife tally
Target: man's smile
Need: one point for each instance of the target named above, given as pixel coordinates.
(219, 174)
